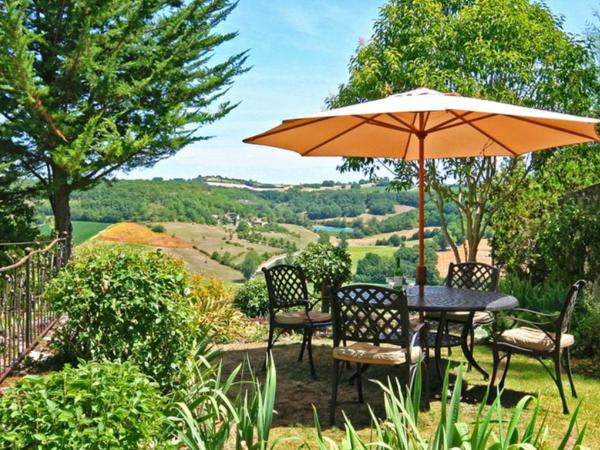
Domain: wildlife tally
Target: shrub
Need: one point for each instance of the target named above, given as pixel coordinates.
(124, 304)
(326, 267)
(158, 228)
(215, 312)
(252, 298)
(93, 406)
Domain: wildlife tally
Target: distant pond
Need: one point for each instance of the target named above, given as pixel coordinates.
(318, 228)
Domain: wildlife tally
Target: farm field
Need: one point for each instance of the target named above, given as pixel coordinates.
(135, 233)
(358, 253)
(198, 262)
(213, 238)
(82, 231)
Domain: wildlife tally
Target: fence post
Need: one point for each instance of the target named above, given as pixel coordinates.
(28, 298)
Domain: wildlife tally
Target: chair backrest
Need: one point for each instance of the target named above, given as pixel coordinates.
(566, 314)
(473, 275)
(367, 313)
(286, 286)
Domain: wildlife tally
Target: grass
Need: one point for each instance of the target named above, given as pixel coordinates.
(297, 393)
(82, 231)
(358, 253)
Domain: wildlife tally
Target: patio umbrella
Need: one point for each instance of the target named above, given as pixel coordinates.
(425, 124)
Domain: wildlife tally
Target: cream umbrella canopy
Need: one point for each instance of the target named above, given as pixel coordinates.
(426, 124)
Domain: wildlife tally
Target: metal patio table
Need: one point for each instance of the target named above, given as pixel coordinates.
(442, 299)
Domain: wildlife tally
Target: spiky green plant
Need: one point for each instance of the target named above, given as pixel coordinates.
(491, 429)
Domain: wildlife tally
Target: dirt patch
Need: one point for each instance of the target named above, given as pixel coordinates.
(135, 233)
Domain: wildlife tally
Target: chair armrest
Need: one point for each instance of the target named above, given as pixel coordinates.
(533, 323)
(313, 300)
(536, 313)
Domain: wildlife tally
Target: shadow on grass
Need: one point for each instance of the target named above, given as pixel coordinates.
(297, 392)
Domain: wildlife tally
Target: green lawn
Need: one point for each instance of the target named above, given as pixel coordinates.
(82, 231)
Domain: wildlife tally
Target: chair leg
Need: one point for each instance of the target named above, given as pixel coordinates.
(467, 349)
(304, 336)
(492, 392)
(449, 348)
(269, 346)
(567, 361)
(313, 373)
(334, 389)
(558, 381)
(506, 365)
(359, 370)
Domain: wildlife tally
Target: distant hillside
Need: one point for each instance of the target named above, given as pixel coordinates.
(365, 208)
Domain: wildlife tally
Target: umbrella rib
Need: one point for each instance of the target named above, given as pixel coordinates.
(486, 134)
(379, 123)
(446, 122)
(409, 137)
(452, 125)
(272, 132)
(554, 127)
(340, 134)
(406, 124)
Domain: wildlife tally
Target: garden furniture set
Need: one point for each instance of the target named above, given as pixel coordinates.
(372, 324)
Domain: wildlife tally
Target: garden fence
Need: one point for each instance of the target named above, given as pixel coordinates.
(25, 317)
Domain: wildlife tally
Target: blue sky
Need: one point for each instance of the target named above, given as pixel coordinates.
(299, 53)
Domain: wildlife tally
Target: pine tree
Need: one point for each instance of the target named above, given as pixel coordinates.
(90, 87)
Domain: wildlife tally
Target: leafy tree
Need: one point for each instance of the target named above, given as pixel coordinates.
(507, 50)
(250, 264)
(89, 88)
(327, 267)
(374, 268)
(324, 237)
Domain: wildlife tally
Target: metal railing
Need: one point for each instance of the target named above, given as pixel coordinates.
(25, 316)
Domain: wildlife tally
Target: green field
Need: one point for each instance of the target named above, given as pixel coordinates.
(358, 253)
(82, 231)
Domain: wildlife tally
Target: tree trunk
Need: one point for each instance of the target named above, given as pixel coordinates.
(61, 208)
(326, 294)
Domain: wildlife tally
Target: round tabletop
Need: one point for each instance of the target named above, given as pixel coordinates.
(442, 298)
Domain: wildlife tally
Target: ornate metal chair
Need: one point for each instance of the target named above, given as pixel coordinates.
(467, 275)
(547, 338)
(291, 309)
(369, 316)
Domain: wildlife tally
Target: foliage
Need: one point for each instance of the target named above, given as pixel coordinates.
(215, 312)
(548, 231)
(374, 268)
(548, 297)
(16, 209)
(325, 264)
(250, 264)
(492, 429)
(252, 298)
(513, 51)
(92, 89)
(158, 228)
(209, 420)
(125, 304)
(96, 405)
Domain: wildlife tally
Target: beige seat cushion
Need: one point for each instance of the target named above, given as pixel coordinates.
(463, 316)
(300, 317)
(534, 339)
(386, 355)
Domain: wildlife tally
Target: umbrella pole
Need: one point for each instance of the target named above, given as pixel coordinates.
(421, 269)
